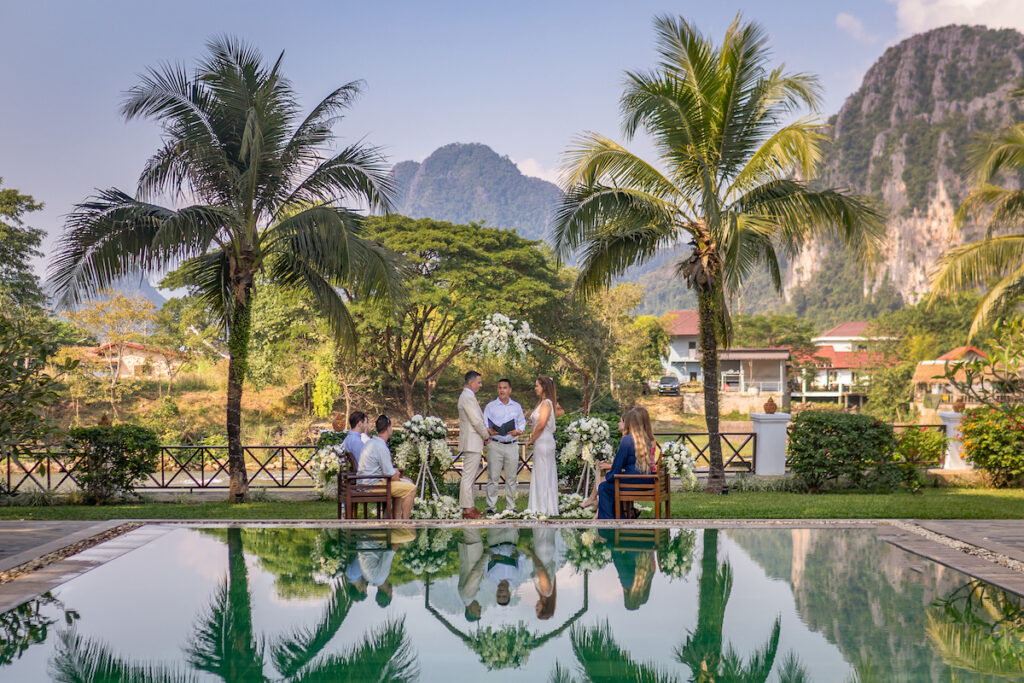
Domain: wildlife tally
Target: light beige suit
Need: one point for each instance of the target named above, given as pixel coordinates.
(472, 435)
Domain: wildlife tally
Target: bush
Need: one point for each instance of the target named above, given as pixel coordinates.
(114, 459)
(569, 473)
(921, 445)
(854, 450)
(993, 440)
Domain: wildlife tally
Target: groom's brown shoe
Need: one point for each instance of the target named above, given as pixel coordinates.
(470, 513)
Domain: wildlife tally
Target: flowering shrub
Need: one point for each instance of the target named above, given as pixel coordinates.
(512, 513)
(675, 456)
(675, 558)
(501, 336)
(589, 440)
(427, 554)
(921, 445)
(438, 507)
(425, 441)
(857, 450)
(993, 440)
(586, 551)
(505, 647)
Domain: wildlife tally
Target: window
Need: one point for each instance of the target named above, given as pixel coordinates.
(692, 345)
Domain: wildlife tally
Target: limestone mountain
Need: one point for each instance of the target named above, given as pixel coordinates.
(905, 137)
(471, 182)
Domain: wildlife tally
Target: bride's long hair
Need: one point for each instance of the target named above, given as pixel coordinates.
(634, 424)
(547, 385)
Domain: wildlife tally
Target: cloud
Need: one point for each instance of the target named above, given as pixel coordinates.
(854, 27)
(532, 167)
(915, 16)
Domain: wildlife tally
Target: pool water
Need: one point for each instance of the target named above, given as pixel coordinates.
(527, 603)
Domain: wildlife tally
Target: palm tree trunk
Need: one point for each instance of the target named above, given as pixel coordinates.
(238, 347)
(706, 304)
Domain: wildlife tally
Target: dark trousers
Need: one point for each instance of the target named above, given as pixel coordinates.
(606, 500)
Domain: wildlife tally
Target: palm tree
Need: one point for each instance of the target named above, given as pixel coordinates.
(704, 651)
(602, 660)
(730, 180)
(996, 262)
(266, 194)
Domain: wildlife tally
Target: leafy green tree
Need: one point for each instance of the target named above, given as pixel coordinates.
(637, 355)
(890, 392)
(730, 153)
(267, 203)
(460, 273)
(27, 387)
(19, 243)
(996, 262)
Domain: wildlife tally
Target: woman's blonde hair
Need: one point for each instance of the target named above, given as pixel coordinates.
(634, 424)
(654, 451)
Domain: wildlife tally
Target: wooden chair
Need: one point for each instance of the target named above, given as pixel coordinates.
(352, 494)
(630, 488)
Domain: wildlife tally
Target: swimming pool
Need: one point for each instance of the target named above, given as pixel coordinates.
(536, 603)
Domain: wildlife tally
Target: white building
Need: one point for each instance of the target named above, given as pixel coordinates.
(842, 364)
(740, 370)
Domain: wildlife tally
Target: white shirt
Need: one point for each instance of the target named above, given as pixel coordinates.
(499, 413)
(376, 458)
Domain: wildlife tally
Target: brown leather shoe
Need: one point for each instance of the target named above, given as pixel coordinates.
(470, 513)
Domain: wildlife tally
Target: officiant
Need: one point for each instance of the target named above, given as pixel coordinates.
(505, 422)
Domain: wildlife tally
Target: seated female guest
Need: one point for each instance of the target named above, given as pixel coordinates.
(634, 441)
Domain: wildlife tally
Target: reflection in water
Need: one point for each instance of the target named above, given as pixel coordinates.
(564, 605)
(979, 629)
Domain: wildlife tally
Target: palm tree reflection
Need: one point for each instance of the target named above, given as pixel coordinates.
(225, 644)
(703, 650)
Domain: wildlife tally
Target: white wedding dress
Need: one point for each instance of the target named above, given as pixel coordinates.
(544, 478)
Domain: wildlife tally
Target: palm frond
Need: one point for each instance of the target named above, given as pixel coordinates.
(293, 652)
(1002, 151)
(977, 264)
(356, 172)
(1002, 207)
(793, 670)
(85, 660)
(384, 655)
(113, 235)
(971, 650)
(293, 271)
(602, 660)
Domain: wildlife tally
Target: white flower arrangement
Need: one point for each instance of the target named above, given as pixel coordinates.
(675, 558)
(501, 336)
(428, 553)
(569, 507)
(512, 513)
(586, 550)
(675, 456)
(324, 467)
(426, 441)
(503, 648)
(438, 507)
(589, 439)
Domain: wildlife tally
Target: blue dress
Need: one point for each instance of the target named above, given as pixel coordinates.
(624, 463)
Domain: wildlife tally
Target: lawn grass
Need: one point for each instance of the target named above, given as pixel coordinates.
(942, 503)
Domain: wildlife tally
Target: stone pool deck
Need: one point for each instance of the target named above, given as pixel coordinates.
(991, 550)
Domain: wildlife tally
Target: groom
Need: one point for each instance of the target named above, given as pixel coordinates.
(472, 437)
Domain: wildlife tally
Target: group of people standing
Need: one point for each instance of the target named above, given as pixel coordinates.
(497, 429)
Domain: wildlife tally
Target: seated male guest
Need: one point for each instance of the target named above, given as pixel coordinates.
(358, 434)
(376, 459)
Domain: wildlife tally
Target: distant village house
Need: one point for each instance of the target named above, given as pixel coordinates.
(138, 360)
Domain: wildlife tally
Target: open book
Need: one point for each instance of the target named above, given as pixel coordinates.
(504, 429)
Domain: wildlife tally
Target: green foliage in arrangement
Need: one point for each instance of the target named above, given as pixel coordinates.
(114, 459)
(842, 449)
(993, 440)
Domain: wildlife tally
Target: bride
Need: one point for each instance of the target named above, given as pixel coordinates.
(544, 478)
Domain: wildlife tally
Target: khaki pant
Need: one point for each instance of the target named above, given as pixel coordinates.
(470, 471)
(502, 457)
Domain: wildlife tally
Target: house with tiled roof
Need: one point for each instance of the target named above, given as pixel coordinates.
(931, 387)
(743, 370)
(840, 365)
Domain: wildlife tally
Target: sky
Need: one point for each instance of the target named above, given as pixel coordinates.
(523, 77)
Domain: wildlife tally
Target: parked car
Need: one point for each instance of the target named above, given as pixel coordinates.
(668, 385)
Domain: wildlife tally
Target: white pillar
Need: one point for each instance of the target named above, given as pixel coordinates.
(770, 431)
(954, 445)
